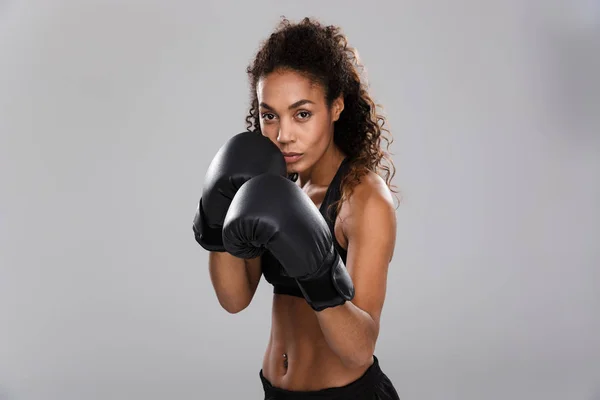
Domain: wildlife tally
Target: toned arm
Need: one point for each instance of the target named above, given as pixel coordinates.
(234, 280)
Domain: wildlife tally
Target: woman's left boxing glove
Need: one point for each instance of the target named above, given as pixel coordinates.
(271, 212)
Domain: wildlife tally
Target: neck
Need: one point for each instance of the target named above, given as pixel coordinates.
(323, 171)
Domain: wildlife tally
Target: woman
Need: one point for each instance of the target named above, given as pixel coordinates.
(308, 100)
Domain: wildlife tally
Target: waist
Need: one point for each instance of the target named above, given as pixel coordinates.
(298, 356)
(364, 383)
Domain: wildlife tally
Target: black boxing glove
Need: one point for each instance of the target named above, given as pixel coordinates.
(241, 158)
(271, 212)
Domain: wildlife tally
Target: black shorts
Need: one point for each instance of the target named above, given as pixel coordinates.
(373, 385)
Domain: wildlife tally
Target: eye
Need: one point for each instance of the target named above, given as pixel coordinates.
(267, 116)
(304, 114)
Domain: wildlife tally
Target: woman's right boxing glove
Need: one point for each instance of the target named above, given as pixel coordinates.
(241, 158)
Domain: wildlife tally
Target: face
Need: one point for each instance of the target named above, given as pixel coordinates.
(294, 115)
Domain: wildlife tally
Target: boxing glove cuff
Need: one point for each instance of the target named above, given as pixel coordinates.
(331, 286)
(210, 239)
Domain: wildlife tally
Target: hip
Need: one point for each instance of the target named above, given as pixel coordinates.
(373, 384)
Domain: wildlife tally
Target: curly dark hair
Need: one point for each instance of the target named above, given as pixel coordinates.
(322, 53)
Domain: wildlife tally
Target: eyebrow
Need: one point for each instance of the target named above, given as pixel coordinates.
(295, 105)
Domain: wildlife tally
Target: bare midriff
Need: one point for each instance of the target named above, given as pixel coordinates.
(297, 355)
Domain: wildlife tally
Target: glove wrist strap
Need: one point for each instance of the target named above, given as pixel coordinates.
(331, 286)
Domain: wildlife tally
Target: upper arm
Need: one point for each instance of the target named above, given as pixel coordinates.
(370, 229)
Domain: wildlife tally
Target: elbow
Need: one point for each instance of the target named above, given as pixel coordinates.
(234, 309)
(234, 306)
(359, 359)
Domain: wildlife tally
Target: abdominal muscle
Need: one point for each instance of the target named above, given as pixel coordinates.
(298, 357)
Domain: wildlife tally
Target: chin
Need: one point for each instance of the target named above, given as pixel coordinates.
(295, 168)
(291, 171)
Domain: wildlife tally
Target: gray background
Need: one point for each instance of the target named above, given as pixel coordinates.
(110, 113)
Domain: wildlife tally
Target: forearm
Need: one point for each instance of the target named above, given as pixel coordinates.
(231, 281)
(350, 332)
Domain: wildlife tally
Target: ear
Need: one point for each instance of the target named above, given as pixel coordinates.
(337, 107)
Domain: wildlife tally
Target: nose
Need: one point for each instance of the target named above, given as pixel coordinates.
(285, 134)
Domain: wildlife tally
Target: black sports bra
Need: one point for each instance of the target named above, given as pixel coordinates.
(272, 269)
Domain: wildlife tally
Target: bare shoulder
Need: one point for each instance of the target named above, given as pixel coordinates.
(371, 196)
(372, 187)
(369, 211)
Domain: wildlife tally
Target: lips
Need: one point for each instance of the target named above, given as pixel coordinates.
(292, 157)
